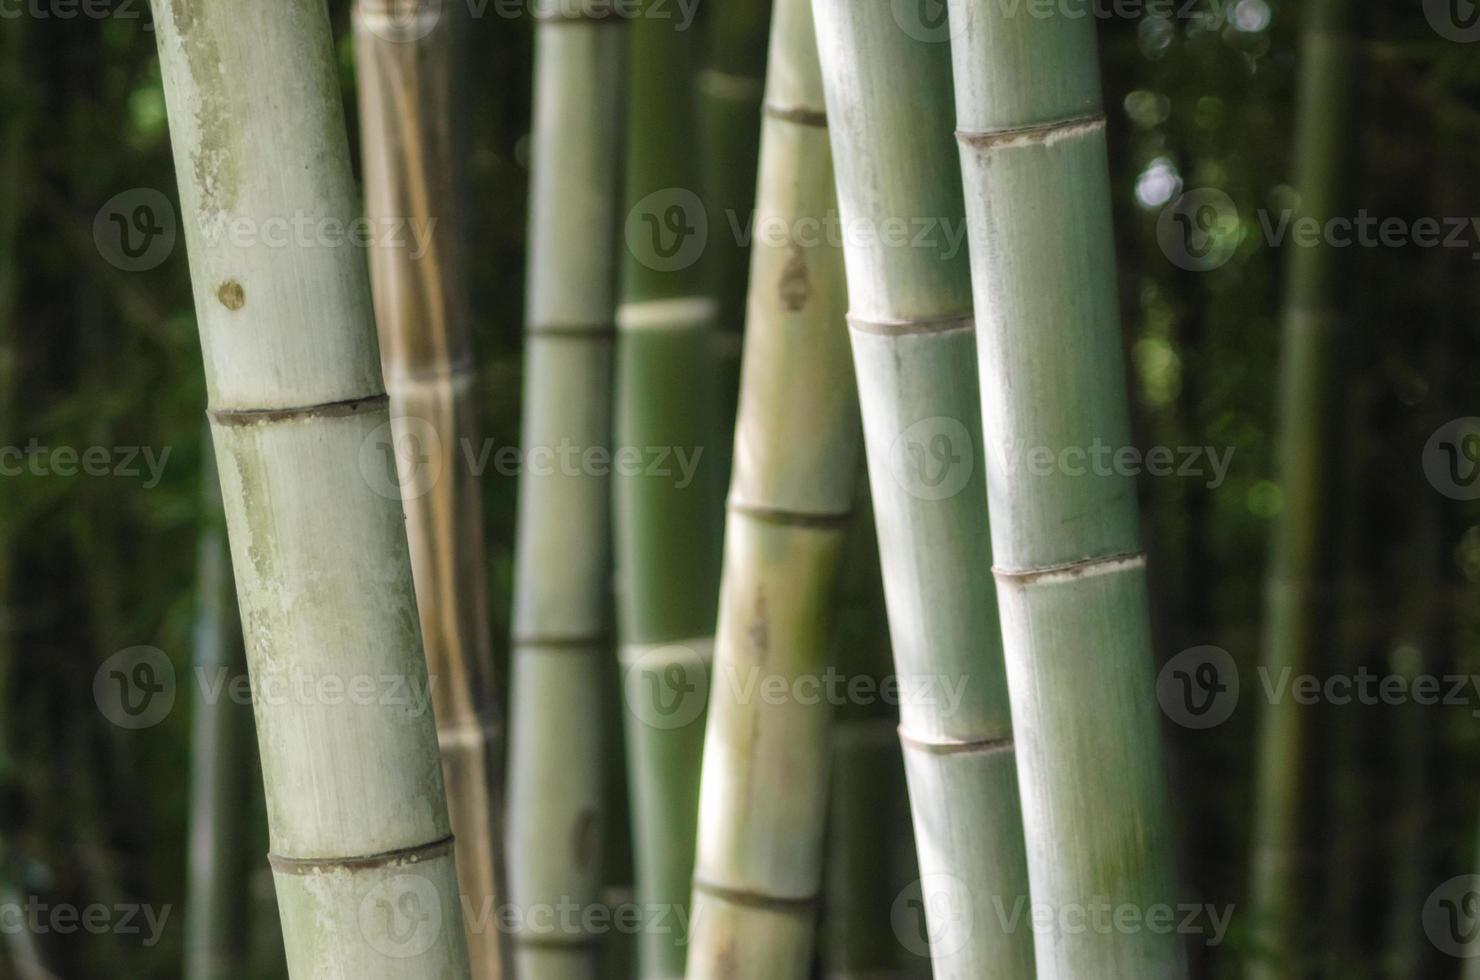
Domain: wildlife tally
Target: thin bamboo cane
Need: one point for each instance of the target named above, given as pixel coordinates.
(561, 603)
(913, 348)
(1071, 577)
(867, 809)
(1310, 323)
(667, 516)
(215, 934)
(361, 846)
(22, 956)
(764, 788)
(408, 52)
(730, 88)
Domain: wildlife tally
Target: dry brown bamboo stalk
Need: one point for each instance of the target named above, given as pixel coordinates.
(419, 281)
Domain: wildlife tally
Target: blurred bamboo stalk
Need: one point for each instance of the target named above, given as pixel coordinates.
(764, 789)
(912, 329)
(1281, 908)
(730, 86)
(408, 53)
(667, 518)
(220, 739)
(22, 957)
(561, 689)
(361, 843)
(1071, 575)
(868, 824)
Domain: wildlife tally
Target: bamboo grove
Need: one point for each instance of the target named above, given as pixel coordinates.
(713, 471)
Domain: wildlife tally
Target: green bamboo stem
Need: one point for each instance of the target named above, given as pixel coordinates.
(764, 789)
(867, 810)
(666, 521)
(216, 880)
(413, 173)
(1310, 324)
(730, 89)
(561, 602)
(913, 348)
(1071, 576)
(361, 847)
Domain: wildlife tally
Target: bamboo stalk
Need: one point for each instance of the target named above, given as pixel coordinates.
(867, 809)
(1310, 323)
(667, 519)
(561, 603)
(914, 353)
(216, 883)
(730, 89)
(413, 174)
(764, 788)
(1071, 576)
(361, 848)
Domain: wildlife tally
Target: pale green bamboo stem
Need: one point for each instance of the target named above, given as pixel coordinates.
(764, 790)
(407, 52)
(1070, 571)
(667, 519)
(1280, 916)
(889, 96)
(361, 847)
(215, 926)
(561, 690)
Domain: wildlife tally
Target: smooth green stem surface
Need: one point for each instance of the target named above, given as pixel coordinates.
(1070, 572)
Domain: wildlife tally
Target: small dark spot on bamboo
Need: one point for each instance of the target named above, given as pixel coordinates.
(760, 626)
(726, 964)
(796, 286)
(232, 295)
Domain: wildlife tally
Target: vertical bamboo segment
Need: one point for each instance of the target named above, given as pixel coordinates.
(914, 353)
(561, 601)
(407, 54)
(730, 87)
(361, 848)
(215, 933)
(1070, 571)
(1310, 324)
(764, 789)
(667, 515)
